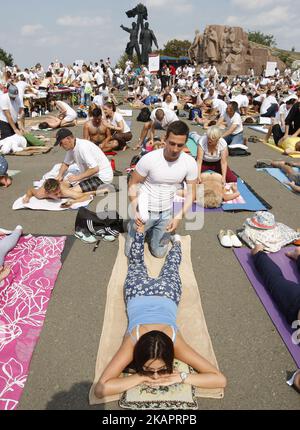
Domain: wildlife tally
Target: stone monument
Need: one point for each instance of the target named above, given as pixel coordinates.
(140, 33)
(229, 49)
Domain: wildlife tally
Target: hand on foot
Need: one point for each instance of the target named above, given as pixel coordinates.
(294, 255)
(258, 248)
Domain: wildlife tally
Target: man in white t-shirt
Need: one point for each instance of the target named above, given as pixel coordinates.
(243, 102)
(158, 176)
(95, 168)
(160, 119)
(10, 112)
(234, 125)
(269, 106)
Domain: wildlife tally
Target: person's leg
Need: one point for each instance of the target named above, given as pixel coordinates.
(131, 232)
(159, 238)
(285, 293)
(237, 139)
(269, 134)
(144, 132)
(230, 176)
(277, 133)
(8, 243)
(228, 139)
(109, 146)
(170, 270)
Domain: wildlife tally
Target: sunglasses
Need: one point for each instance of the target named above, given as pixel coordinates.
(160, 372)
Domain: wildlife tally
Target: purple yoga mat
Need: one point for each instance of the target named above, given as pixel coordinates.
(291, 273)
(195, 208)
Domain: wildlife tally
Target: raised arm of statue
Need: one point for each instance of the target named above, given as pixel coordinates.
(126, 29)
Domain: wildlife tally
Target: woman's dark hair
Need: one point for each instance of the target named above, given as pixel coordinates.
(154, 345)
(179, 128)
(48, 75)
(111, 105)
(43, 126)
(97, 113)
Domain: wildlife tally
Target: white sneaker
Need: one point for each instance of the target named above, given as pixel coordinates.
(235, 242)
(19, 227)
(225, 239)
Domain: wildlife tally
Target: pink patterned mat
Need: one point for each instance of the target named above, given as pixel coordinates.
(24, 299)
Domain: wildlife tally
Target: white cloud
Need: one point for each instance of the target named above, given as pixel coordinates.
(179, 6)
(270, 18)
(31, 29)
(80, 21)
(252, 4)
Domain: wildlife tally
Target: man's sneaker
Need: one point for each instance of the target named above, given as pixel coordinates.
(89, 239)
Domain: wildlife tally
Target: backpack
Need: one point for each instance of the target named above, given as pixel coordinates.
(144, 115)
(99, 224)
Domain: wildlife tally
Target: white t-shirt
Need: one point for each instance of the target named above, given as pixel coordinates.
(169, 106)
(168, 119)
(267, 103)
(207, 156)
(99, 78)
(117, 118)
(98, 100)
(69, 111)
(235, 120)
(22, 85)
(88, 156)
(220, 105)
(164, 177)
(12, 105)
(242, 100)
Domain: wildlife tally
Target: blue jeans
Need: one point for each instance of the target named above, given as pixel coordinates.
(156, 234)
(285, 293)
(235, 139)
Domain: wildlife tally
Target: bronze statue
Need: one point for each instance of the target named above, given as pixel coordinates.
(147, 37)
(195, 49)
(134, 41)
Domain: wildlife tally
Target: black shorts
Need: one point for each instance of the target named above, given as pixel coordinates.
(91, 184)
(6, 130)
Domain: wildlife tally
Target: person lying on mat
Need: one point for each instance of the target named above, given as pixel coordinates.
(95, 131)
(290, 145)
(152, 340)
(213, 155)
(66, 117)
(215, 193)
(285, 293)
(287, 169)
(6, 245)
(55, 190)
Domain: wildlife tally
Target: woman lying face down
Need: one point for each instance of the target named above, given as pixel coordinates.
(152, 340)
(215, 192)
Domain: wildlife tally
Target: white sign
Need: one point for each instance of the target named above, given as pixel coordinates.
(154, 60)
(270, 69)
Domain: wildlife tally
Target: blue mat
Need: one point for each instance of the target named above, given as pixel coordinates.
(278, 175)
(193, 147)
(253, 204)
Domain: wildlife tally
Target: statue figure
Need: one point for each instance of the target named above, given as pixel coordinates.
(147, 37)
(235, 56)
(141, 12)
(134, 41)
(212, 46)
(225, 44)
(194, 51)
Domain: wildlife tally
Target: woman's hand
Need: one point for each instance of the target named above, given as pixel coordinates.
(164, 381)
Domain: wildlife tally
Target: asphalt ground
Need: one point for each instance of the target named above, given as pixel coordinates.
(249, 350)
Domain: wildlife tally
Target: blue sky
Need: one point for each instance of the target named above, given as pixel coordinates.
(67, 30)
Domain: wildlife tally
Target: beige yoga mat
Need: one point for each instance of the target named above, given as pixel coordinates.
(191, 320)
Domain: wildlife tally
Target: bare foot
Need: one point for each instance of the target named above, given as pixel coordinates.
(294, 255)
(297, 382)
(4, 272)
(258, 248)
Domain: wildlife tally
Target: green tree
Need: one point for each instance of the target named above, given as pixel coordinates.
(176, 48)
(6, 58)
(122, 61)
(286, 58)
(261, 38)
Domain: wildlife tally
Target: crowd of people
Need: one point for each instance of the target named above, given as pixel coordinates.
(222, 106)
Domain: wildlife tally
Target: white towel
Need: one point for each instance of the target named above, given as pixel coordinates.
(47, 204)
